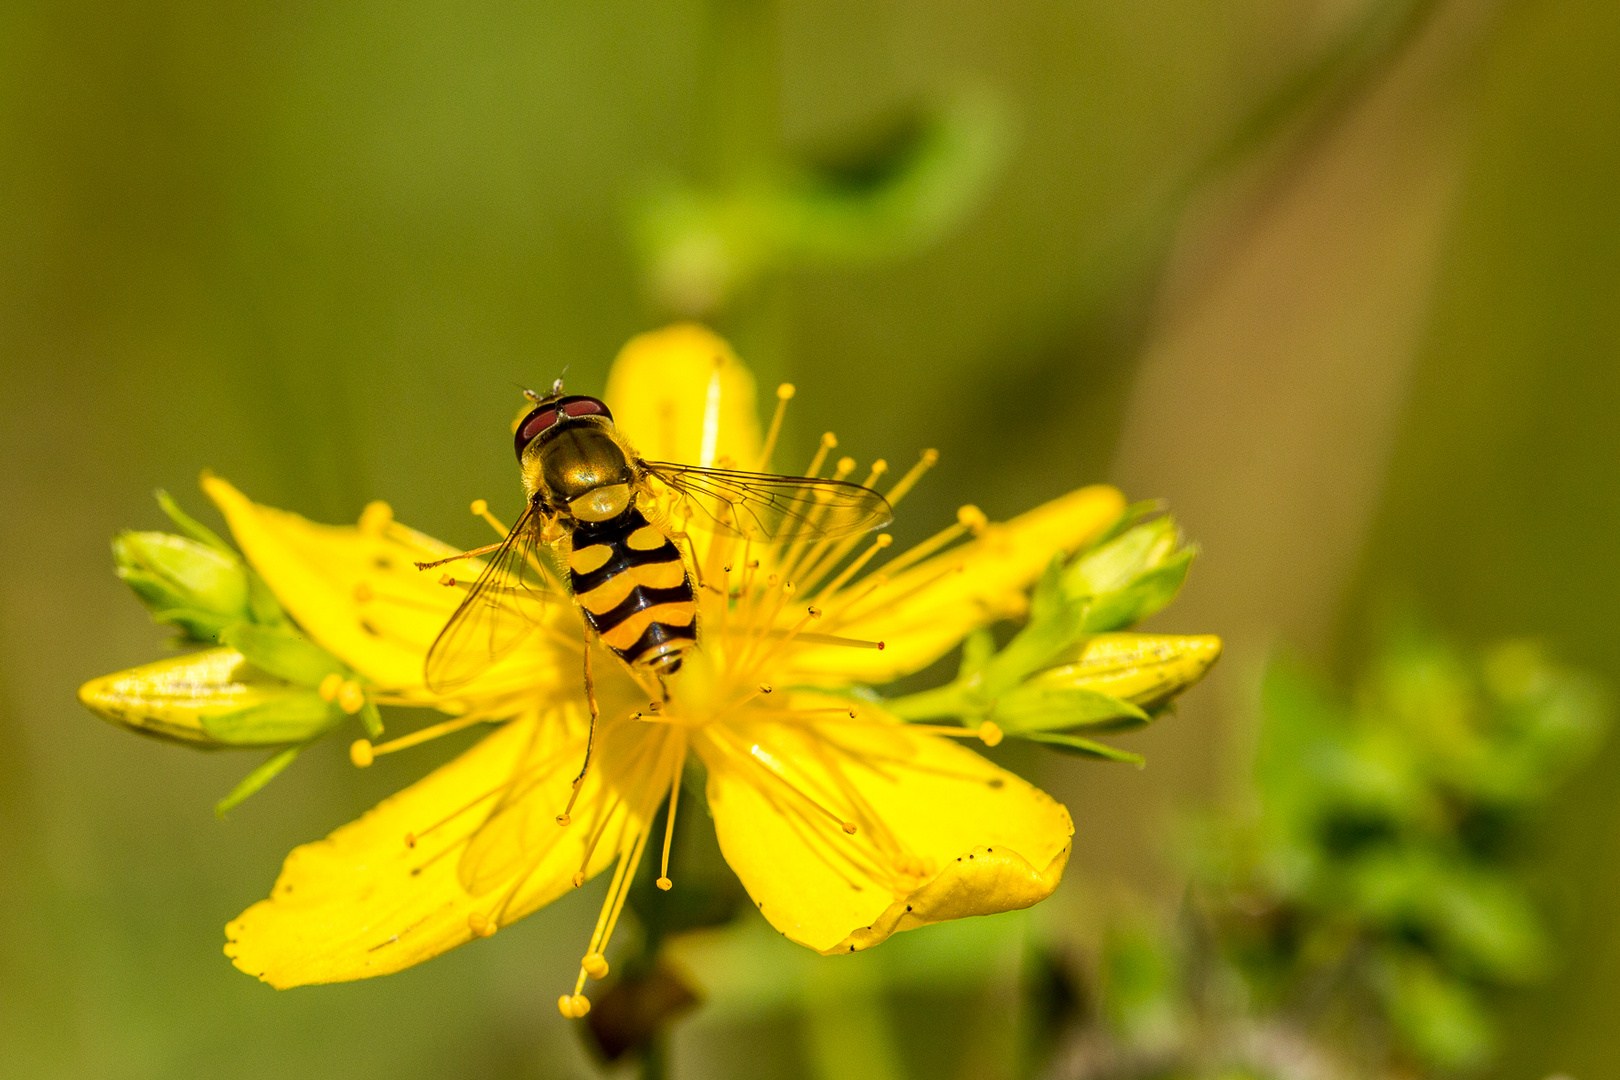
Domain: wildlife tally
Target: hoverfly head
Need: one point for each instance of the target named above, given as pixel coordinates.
(551, 414)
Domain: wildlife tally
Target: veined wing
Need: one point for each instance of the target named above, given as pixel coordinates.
(504, 604)
(761, 506)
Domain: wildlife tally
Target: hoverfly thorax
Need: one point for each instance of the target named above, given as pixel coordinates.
(573, 463)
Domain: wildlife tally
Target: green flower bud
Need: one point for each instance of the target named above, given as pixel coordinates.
(184, 583)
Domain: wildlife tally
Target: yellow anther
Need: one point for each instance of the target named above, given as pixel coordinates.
(330, 686)
(360, 753)
(931, 456)
(565, 1005)
(410, 839)
(665, 884)
(579, 878)
(849, 827)
(447, 579)
(989, 733)
(846, 465)
(575, 1006)
(785, 391)
(479, 507)
(350, 698)
(972, 518)
(376, 517)
(564, 820)
(829, 440)
(480, 924)
(764, 688)
(595, 965)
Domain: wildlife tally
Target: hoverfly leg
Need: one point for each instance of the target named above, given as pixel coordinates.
(590, 701)
(473, 554)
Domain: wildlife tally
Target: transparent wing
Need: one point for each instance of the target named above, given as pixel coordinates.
(761, 506)
(504, 604)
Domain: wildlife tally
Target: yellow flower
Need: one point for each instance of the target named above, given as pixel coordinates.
(844, 823)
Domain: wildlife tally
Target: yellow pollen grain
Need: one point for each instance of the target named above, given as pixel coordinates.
(360, 753)
(329, 687)
(351, 699)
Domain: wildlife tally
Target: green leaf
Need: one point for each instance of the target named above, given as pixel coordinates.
(1438, 1017)
(291, 718)
(1074, 744)
(259, 777)
(281, 654)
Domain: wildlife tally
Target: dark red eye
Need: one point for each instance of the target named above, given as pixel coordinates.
(547, 414)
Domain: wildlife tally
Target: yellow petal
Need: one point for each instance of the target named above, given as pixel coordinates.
(923, 612)
(171, 698)
(356, 591)
(364, 902)
(666, 386)
(941, 833)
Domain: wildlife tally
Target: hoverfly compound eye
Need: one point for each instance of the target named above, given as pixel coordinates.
(549, 413)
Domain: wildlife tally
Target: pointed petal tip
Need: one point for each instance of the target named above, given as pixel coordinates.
(985, 881)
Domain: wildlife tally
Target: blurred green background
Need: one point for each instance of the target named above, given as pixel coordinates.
(1339, 279)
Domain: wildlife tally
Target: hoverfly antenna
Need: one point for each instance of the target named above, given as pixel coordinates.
(556, 387)
(531, 395)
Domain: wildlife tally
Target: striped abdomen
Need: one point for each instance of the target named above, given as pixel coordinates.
(631, 583)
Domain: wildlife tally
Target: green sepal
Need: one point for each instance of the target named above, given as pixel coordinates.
(259, 777)
(1148, 594)
(977, 649)
(370, 719)
(1116, 564)
(189, 525)
(1033, 707)
(292, 718)
(1074, 744)
(263, 607)
(282, 655)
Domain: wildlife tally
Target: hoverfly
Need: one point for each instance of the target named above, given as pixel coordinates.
(589, 495)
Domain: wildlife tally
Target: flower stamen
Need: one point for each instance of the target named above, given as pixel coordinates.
(415, 738)
(784, 394)
(663, 881)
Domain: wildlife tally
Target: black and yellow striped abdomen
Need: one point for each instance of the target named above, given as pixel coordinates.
(631, 583)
